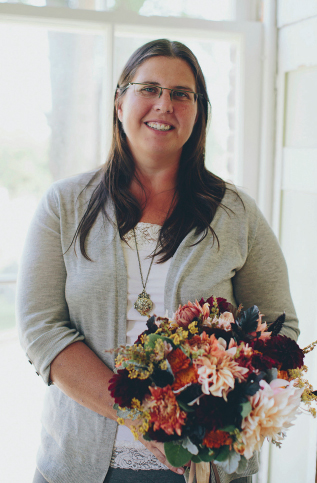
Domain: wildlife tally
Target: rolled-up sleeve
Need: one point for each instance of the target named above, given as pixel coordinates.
(42, 313)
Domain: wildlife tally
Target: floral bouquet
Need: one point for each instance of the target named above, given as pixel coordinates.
(212, 384)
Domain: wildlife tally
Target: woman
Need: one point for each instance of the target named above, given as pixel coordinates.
(153, 196)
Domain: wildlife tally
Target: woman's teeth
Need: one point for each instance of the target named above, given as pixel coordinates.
(158, 126)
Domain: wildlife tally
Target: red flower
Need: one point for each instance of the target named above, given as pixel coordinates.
(216, 439)
(283, 350)
(123, 389)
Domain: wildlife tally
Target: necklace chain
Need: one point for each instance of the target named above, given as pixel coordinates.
(144, 303)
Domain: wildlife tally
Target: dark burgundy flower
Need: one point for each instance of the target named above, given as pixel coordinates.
(223, 304)
(263, 362)
(213, 413)
(160, 435)
(282, 349)
(123, 389)
(245, 361)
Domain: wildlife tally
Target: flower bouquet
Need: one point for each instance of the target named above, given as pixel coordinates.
(212, 384)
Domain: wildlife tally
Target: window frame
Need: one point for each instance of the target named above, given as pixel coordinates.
(248, 34)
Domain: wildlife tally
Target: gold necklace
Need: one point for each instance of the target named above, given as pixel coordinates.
(144, 304)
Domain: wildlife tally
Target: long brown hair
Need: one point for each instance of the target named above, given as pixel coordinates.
(198, 191)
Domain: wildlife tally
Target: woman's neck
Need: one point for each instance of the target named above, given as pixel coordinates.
(155, 191)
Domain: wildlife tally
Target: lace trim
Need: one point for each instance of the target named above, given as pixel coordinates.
(134, 456)
(146, 234)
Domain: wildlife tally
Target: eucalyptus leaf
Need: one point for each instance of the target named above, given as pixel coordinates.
(207, 455)
(185, 406)
(190, 446)
(176, 454)
(151, 339)
(231, 463)
(246, 409)
(243, 463)
(228, 429)
(196, 458)
(271, 374)
(223, 453)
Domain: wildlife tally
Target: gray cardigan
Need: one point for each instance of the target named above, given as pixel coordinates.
(63, 298)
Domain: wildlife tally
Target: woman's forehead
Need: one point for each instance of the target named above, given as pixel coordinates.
(166, 71)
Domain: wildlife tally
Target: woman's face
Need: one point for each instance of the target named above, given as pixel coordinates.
(142, 118)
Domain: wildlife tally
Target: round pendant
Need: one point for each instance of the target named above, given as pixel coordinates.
(144, 304)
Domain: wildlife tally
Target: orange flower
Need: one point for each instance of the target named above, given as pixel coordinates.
(178, 360)
(283, 375)
(165, 412)
(185, 377)
(216, 439)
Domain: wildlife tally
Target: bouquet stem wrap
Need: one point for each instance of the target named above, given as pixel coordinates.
(202, 472)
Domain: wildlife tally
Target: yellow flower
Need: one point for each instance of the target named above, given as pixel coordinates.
(120, 421)
(193, 327)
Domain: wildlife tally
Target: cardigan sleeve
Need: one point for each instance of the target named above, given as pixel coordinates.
(42, 313)
(263, 279)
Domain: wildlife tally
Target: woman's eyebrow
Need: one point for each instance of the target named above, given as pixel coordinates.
(184, 88)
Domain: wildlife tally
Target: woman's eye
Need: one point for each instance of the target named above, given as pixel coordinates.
(149, 90)
(181, 95)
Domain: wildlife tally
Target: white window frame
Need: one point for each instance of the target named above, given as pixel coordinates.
(248, 34)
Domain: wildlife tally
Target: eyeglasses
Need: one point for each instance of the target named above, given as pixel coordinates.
(150, 91)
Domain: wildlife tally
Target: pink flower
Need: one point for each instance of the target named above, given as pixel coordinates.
(225, 320)
(274, 408)
(185, 314)
(217, 373)
(261, 328)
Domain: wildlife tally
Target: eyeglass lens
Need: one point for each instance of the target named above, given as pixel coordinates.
(149, 91)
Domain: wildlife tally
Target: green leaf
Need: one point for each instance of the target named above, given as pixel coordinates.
(207, 455)
(223, 454)
(228, 429)
(246, 409)
(196, 458)
(176, 454)
(230, 463)
(152, 338)
(190, 446)
(243, 463)
(185, 407)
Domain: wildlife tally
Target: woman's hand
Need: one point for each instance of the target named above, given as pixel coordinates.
(157, 449)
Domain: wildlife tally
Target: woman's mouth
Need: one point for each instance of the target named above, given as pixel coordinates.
(159, 126)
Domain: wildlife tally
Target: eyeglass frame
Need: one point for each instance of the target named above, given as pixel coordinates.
(196, 94)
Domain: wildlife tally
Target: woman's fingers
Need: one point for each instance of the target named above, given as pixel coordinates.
(158, 450)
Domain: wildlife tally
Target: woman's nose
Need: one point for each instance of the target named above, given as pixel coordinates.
(164, 102)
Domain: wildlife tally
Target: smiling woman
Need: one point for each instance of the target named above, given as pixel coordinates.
(157, 127)
(155, 229)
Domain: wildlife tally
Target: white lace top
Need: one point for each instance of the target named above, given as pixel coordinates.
(128, 453)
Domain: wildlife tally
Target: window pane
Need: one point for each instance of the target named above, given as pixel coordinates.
(7, 308)
(205, 9)
(51, 97)
(219, 60)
